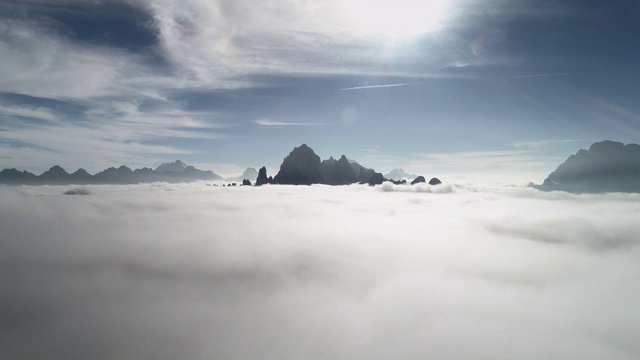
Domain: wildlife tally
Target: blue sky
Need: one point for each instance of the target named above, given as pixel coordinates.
(497, 89)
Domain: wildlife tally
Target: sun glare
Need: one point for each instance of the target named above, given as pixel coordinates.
(396, 17)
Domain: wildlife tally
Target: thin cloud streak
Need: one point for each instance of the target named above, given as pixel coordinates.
(543, 143)
(541, 75)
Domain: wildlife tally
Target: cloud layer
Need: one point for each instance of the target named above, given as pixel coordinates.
(199, 272)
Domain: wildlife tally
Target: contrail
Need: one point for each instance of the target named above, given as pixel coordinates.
(541, 75)
(377, 86)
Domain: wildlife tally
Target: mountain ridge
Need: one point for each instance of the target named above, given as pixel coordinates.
(56, 175)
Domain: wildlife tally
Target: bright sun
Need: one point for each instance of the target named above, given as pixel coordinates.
(396, 17)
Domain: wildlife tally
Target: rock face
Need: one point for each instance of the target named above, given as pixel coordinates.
(435, 181)
(419, 179)
(262, 177)
(300, 167)
(607, 166)
(246, 182)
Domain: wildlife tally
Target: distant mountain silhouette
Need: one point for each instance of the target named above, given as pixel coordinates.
(56, 175)
(399, 174)
(607, 166)
(250, 174)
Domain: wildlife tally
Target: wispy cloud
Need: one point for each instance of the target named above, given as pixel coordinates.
(479, 159)
(378, 86)
(34, 112)
(269, 122)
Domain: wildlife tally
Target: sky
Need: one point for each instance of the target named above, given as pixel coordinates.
(470, 88)
(190, 271)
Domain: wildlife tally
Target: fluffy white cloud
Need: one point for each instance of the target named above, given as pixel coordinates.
(199, 272)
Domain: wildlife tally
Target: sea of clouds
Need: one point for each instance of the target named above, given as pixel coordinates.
(193, 271)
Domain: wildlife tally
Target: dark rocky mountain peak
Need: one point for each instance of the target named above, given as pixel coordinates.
(419, 179)
(262, 177)
(608, 166)
(300, 167)
(435, 181)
